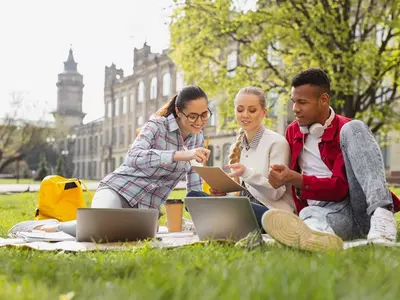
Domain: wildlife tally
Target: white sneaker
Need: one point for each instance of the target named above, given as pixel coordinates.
(28, 226)
(383, 227)
(288, 229)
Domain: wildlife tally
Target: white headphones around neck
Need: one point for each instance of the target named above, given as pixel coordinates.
(317, 130)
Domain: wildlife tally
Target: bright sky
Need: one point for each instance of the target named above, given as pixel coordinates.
(36, 36)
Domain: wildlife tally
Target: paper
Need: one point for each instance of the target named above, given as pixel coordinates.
(218, 179)
(42, 236)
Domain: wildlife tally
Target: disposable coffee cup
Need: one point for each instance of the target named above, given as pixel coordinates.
(174, 209)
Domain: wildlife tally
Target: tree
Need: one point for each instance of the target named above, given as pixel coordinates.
(18, 137)
(33, 157)
(356, 41)
(25, 173)
(42, 171)
(60, 165)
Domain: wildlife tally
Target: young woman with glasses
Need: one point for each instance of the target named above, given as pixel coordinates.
(158, 159)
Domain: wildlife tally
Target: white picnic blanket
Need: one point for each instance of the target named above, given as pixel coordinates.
(163, 240)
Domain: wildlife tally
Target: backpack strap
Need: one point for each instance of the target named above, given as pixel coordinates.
(77, 182)
(87, 190)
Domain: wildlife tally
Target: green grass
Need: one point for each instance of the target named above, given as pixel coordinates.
(14, 181)
(29, 181)
(192, 272)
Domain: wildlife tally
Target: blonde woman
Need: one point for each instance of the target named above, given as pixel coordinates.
(255, 150)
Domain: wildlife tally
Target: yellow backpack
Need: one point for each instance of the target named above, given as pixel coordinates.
(59, 198)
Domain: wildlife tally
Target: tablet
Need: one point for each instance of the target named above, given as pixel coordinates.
(218, 179)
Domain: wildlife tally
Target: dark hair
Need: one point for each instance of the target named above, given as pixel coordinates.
(187, 94)
(315, 77)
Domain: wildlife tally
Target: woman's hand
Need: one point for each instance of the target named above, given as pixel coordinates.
(238, 170)
(216, 193)
(200, 154)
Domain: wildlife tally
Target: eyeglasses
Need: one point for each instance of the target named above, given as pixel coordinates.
(193, 117)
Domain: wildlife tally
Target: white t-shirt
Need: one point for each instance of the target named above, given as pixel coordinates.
(311, 163)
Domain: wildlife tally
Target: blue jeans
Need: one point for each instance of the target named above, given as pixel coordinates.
(350, 218)
(259, 210)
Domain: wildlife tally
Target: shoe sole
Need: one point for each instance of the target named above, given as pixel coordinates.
(288, 229)
(30, 225)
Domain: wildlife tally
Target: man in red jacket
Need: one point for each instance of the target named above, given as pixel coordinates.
(336, 173)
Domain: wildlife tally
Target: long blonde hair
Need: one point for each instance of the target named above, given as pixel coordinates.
(234, 155)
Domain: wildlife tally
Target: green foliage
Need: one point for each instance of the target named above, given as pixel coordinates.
(60, 166)
(26, 173)
(42, 171)
(19, 137)
(355, 41)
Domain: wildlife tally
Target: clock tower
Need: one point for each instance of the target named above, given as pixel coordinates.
(69, 96)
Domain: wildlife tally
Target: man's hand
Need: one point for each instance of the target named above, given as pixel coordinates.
(216, 193)
(238, 170)
(280, 175)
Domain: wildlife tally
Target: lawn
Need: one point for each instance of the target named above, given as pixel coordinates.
(192, 272)
(14, 181)
(29, 181)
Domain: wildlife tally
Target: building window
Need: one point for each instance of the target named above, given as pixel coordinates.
(96, 144)
(109, 109)
(124, 105)
(225, 155)
(382, 140)
(166, 84)
(117, 107)
(141, 92)
(180, 83)
(213, 119)
(130, 138)
(83, 170)
(89, 170)
(121, 135)
(107, 138)
(232, 62)
(140, 120)
(131, 101)
(84, 146)
(78, 147)
(153, 88)
(94, 170)
(113, 163)
(114, 136)
(90, 145)
(210, 161)
(273, 104)
(121, 160)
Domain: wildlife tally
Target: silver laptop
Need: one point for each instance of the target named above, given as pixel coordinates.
(103, 225)
(228, 218)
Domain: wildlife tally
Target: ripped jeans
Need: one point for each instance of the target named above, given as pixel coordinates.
(350, 218)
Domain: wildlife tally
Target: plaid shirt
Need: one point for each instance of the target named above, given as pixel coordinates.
(149, 173)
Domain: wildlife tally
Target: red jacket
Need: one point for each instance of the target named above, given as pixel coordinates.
(335, 188)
